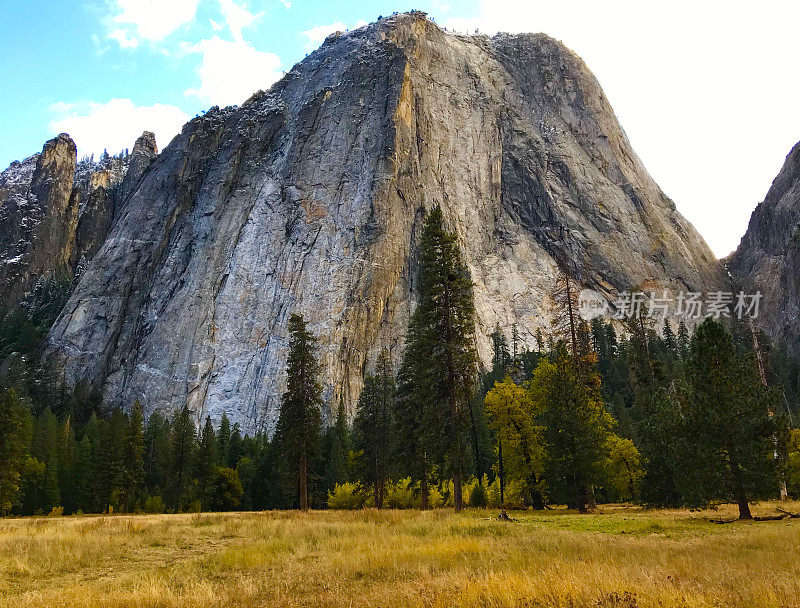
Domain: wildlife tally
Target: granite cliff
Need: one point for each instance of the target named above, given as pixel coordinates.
(309, 197)
(55, 212)
(768, 257)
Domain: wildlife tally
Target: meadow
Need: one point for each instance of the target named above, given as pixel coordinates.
(622, 557)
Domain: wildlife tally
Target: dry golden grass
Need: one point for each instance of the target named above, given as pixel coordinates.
(622, 558)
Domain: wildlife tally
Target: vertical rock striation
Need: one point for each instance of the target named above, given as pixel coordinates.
(309, 198)
(38, 218)
(768, 257)
(55, 212)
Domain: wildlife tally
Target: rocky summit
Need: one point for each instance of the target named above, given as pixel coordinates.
(309, 198)
(55, 211)
(768, 258)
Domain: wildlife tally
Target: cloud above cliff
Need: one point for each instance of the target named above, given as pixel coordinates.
(315, 36)
(703, 90)
(230, 72)
(114, 125)
(131, 21)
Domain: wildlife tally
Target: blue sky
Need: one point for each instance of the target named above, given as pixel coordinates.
(706, 91)
(65, 60)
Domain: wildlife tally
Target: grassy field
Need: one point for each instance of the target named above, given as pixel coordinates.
(621, 557)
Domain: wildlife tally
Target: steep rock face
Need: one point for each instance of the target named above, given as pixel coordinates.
(310, 197)
(55, 212)
(144, 153)
(768, 257)
(101, 187)
(37, 218)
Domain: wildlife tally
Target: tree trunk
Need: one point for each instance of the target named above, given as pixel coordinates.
(458, 502)
(744, 507)
(501, 472)
(303, 483)
(592, 501)
(423, 484)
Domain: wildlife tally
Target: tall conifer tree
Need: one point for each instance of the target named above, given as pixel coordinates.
(182, 448)
(372, 428)
(730, 430)
(15, 430)
(440, 350)
(297, 434)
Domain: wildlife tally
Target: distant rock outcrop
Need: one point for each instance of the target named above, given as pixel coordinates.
(309, 198)
(768, 258)
(38, 218)
(55, 212)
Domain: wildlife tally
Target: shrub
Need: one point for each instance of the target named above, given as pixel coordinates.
(478, 497)
(154, 504)
(56, 512)
(346, 496)
(513, 493)
(225, 490)
(400, 495)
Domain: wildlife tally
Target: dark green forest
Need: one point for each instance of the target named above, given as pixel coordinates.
(597, 412)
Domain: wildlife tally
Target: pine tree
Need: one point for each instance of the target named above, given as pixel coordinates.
(182, 448)
(224, 442)
(501, 357)
(410, 432)
(566, 321)
(134, 459)
(235, 449)
(337, 450)
(657, 433)
(45, 449)
(576, 428)
(683, 341)
(90, 461)
(110, 462)
(515, 351)
(297, 434)
(372, 428)
(205, 462)
(82, 471)
(729, 431)
(158, 455)
(539, 340)
(441, 341)
(670, 340)
(67, 453)
(15, 432)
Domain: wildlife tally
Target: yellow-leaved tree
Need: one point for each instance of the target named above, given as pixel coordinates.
(512, 415)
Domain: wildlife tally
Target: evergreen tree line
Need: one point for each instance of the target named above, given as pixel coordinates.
(593, 413)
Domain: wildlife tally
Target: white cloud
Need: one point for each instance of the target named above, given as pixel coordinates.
(153, 20)
(123, 38)
(317, 35)
(232, 71)
(236, 17)
(703, 90)
(114, 125)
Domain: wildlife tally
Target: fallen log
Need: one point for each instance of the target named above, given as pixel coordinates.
(504, 516)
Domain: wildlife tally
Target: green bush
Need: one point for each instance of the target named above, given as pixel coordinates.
(478, 497)
(346, 496)
(225, 490)
(400, 494)
(154, 504)
(513, 493)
